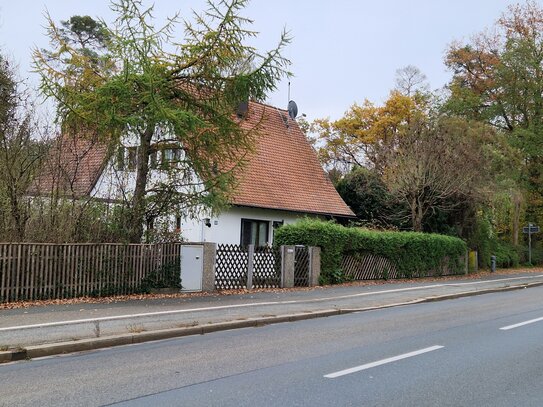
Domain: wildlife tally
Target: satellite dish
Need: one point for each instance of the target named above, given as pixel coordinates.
(292, 109)
(243, 107)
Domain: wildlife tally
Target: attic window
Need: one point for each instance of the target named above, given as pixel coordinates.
(126, 158)
(171, 157)
(154, 159)
(119, 159)
(132, 161)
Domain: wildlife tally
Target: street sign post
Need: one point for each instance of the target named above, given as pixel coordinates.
(530, 229)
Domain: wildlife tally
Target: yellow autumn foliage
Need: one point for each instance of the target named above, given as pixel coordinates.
(350, 139)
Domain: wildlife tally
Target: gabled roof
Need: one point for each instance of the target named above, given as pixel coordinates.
(282, 173)
(73, 167)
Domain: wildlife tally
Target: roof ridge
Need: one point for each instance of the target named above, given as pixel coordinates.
(268, 105)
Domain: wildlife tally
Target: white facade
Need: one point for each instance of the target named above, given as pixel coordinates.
(115, 184)
(226, 228)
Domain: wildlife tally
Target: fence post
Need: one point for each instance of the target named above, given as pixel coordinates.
(314, 266)
(208, 277)
(309, 266)
(288, 254)
(282, 258)
(250, 265)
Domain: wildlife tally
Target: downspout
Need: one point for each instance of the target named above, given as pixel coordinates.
(202, 231)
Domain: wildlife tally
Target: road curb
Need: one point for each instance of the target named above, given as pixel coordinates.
(480, 292)
(441, 298)
(57, 348)
(82, 345)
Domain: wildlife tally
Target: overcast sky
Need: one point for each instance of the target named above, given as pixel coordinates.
(343, 51)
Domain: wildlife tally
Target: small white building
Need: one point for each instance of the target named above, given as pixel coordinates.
(282, 182)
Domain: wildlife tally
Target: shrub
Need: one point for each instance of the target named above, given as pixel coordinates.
(506, 254)
(537, 253)
(482, 240)
(413, 254)
(166, 276)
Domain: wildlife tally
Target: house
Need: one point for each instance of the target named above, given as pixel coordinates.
(282, 182)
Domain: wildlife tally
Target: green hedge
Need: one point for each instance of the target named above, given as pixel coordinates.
(413, 254)
(506, 254)
(537, 254)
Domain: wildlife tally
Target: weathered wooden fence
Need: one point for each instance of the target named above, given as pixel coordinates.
(368, 267)
(372, 267)
(30, 271)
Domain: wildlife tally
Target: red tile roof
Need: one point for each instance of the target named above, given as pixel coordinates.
(73, 167)
(284, 171)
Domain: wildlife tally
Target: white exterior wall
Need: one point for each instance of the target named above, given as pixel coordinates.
(114, 185)
(226, 228)
(117, 185)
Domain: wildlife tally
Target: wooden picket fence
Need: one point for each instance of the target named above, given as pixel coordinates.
(33, 271)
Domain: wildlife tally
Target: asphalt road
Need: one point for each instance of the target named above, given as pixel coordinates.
(72, 322)
(464, 352)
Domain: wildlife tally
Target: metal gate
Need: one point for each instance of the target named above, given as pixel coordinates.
(249, 267)
(192, 267)
(301, 266)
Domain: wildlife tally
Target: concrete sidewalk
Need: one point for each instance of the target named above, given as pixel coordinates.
(54, 329)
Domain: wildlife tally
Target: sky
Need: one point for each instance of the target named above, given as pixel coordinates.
(342, 51)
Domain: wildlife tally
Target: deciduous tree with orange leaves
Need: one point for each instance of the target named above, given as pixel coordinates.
(361, 135)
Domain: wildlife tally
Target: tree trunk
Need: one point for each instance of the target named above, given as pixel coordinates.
(420, 216)
(137, 215)
(416, 215)
(19, 219)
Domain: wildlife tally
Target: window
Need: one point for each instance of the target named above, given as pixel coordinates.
(178, 224)
(126, 158)
(120, 158)
(132, 158)
(154, 159)
(254, 232)
(171, 157)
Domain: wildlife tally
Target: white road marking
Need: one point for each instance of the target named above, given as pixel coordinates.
(498, 279)
(255, 304)
(382, 362)
(531, 321)
(182, 311)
